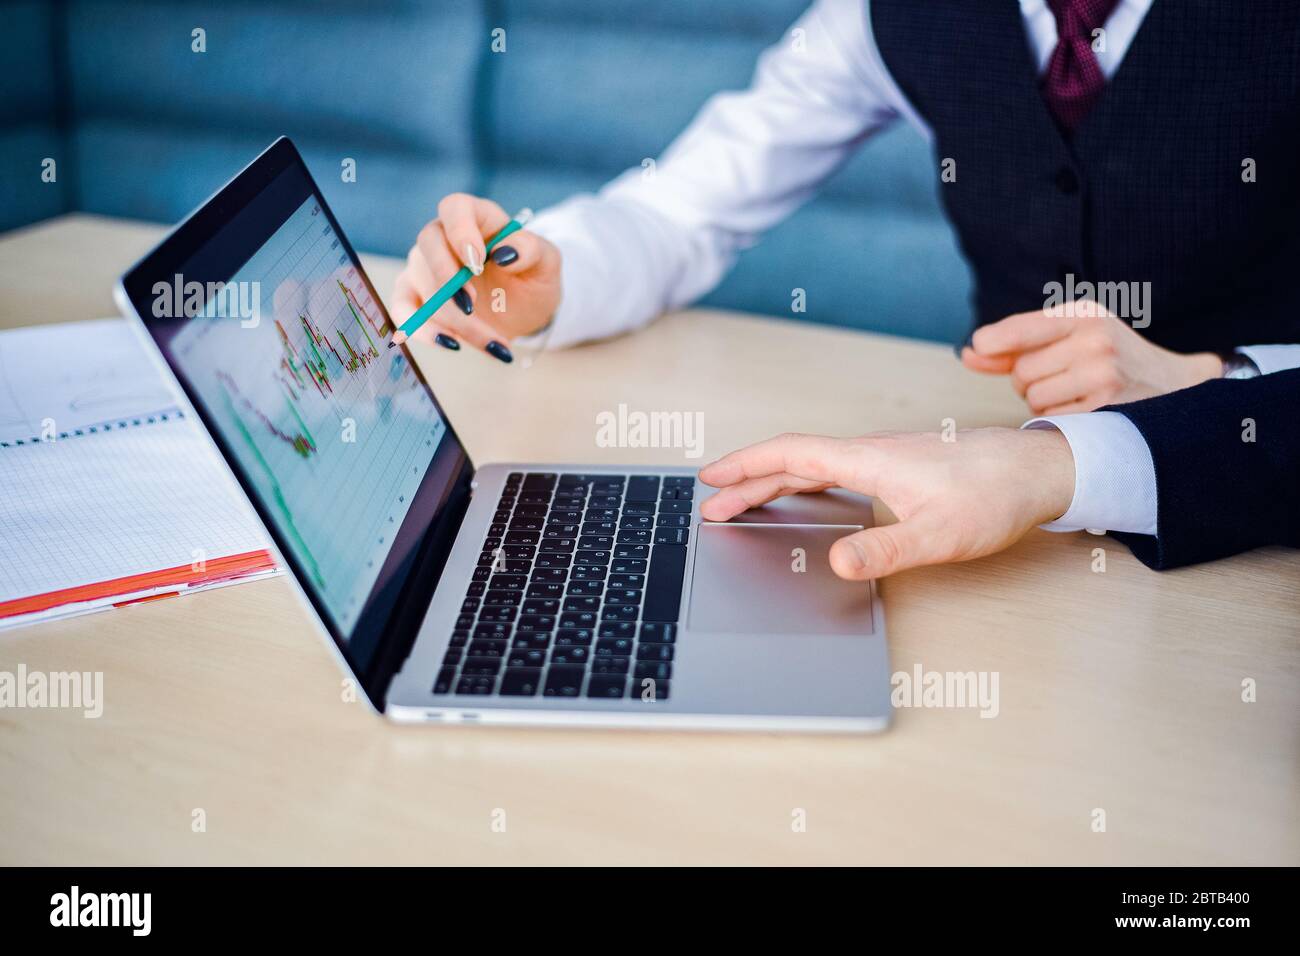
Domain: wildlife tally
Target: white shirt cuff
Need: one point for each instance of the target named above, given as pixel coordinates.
(1272, 358)
(1114, 476)
(565, 327)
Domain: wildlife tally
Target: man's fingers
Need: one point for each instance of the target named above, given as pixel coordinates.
(988, 364)
(1055, 390)
(877, 552)
(1021, 332)
(1081, 381)
(752, 493)
(812, 457)
(1072, 408)
(1041, 363)
(466, 221)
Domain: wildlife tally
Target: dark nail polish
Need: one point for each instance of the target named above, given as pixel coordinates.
(392, 345)
(499, 351)
(447, 342)
(462, 299)
(504, 255)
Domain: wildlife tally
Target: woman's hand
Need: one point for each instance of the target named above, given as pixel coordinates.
(954, 500)
(1062, 361)
(515, 292)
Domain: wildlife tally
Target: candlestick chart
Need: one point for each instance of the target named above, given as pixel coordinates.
(334, 429)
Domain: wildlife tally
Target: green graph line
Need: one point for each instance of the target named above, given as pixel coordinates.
(293, 367)
(354, 362)
(301, 424)
(311, 340)
(348, 299)
(280, 501)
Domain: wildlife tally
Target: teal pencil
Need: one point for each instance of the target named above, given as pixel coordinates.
(454, 284)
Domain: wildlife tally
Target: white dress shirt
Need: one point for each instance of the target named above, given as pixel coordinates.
(666, 232)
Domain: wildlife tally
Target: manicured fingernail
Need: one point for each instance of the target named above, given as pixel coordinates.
(462, 299)
(499, 351)
(504, 255)
(447, 342)
(472, 260)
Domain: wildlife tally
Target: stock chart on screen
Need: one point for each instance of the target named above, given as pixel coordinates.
(333, 428)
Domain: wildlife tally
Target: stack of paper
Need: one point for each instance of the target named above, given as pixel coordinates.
(110, 494)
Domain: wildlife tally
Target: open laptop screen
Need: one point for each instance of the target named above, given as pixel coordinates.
(268, 321)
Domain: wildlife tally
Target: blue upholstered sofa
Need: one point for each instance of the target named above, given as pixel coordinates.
(142, 126)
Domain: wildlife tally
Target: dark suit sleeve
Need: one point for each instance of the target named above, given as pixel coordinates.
(1218, 491)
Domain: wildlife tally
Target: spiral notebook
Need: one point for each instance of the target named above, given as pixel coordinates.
(111, 495)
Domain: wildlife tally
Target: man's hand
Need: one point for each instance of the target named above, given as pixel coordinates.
(1061, 363)
(954, 500)
(522, 277)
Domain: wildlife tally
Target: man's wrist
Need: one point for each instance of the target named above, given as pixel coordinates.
(1204, 366)
(1052, 467)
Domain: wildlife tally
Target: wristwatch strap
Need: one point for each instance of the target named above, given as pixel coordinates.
(1236, 365)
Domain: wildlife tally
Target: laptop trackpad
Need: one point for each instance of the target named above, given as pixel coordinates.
(774, 579)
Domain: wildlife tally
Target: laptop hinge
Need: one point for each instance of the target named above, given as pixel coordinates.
(413, 603)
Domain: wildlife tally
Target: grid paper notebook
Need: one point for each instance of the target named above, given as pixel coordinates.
(109, 493)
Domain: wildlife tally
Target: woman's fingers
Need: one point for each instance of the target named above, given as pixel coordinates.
(752, 493)
(422, 282)
(405, 299)
(474, 331)
(520, 252)
(466, 220)
(441, 263)
(434, 267)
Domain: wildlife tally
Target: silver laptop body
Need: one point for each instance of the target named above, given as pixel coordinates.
(768, 638)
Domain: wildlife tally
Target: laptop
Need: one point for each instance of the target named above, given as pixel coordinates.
(520, 593)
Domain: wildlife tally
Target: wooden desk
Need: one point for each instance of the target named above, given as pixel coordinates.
(1119, 690)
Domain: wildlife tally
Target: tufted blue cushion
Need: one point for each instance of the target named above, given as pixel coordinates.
(356, 73)
(388, 84)
(136, 175)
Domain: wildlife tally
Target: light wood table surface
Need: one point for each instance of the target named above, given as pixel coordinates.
(1119, 691)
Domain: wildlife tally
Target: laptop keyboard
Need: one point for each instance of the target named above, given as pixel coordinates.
(577, 590)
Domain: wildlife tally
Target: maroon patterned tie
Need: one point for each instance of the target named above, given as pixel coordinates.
(1073, 81)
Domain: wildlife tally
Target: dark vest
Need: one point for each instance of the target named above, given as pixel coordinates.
(1149, 188)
